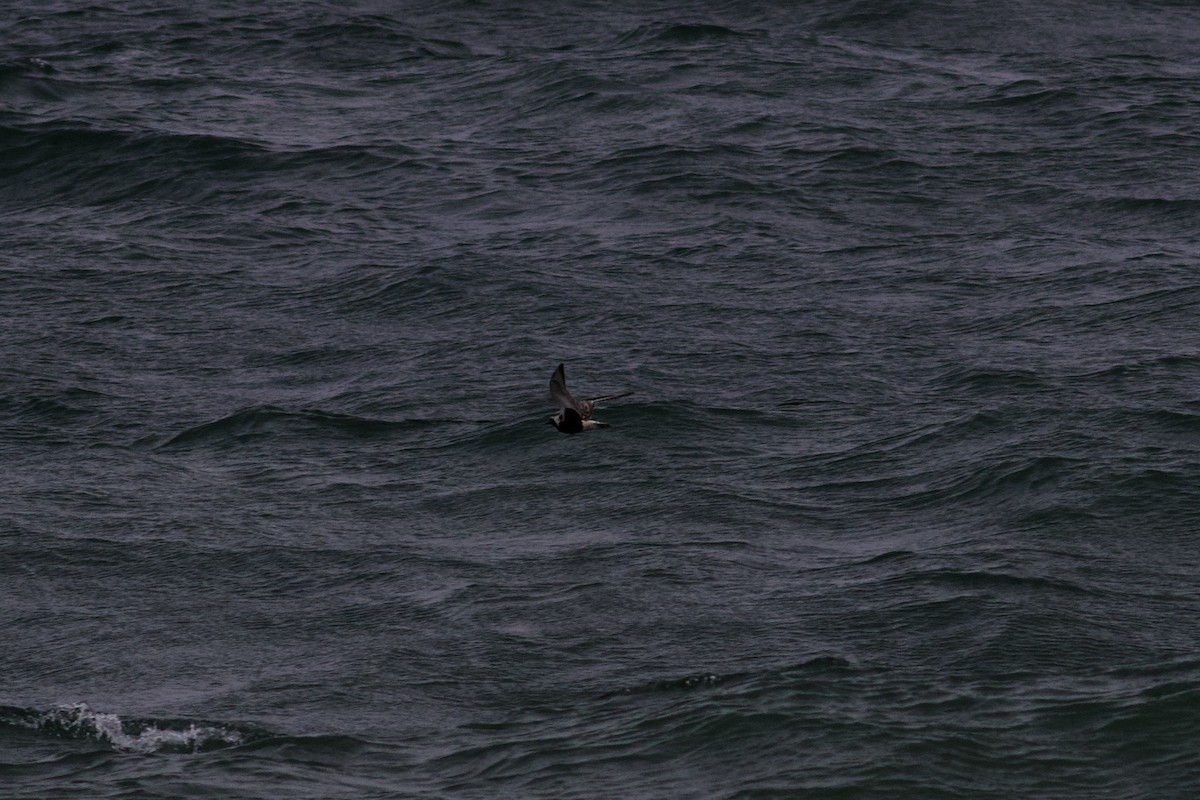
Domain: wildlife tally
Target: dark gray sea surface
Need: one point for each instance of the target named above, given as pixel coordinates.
(906, 501)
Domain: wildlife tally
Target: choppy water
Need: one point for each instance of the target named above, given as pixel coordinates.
(905, 501)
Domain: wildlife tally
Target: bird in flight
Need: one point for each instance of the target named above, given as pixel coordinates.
(575, 415)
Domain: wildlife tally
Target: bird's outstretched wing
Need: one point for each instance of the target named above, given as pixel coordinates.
(558, 388)
(587, 406)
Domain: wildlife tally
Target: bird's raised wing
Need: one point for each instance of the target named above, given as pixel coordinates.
(558, 388)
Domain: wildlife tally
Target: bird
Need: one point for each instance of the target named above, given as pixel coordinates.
(575, 415)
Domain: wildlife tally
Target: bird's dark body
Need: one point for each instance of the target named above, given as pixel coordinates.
(571, 421)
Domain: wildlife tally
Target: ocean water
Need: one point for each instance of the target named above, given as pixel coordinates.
(906, 501)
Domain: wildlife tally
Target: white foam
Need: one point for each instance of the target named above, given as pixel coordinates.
(80, 720)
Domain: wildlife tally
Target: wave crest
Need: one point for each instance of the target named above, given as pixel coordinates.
(130, 735)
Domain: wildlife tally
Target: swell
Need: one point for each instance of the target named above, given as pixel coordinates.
(370, 41)
(80, 162)
(868, 729)
(259, 422)
(709, 172)
(70, 405)
(1031, 454)
(657, 38)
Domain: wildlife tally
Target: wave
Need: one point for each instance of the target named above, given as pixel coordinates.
(702, 418)
(991, 381)
(70, 405)
(260, 421)
(95, 165)
(80, 722)
(32, 146)
(1027, 95)
(74, 159)
(680, 34)
(25, 66)
(31, 80)
(1182, 207)
(29, 77)
(826, 666)
(429, 287)
(367, 40)
(497, 434)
